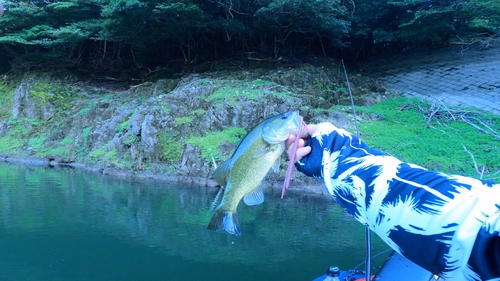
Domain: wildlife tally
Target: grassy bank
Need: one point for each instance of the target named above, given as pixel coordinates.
(452, 140)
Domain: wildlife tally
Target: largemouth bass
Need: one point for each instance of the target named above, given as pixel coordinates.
(241, 174)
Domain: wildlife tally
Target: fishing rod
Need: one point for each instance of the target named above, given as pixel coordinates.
(367, 229)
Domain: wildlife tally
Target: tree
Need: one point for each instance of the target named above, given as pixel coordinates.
(116, 36)
(287, 24)
(448, 21)
(48, 30)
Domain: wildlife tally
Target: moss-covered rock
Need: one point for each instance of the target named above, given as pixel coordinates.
(174, 126)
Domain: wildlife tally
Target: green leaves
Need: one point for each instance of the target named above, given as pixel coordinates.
(154, 33)
(48, 25)
(293, 20)
(304, 16)
(62, 6)
(440, 20)
(113, 7)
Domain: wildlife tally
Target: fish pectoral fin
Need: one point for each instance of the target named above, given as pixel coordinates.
(222, 172)
(255, 197)
(276, 165)
(261, 152)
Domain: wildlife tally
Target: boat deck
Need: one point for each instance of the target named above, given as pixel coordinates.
(396, 267)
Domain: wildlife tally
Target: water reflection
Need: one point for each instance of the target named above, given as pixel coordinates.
(66, 224)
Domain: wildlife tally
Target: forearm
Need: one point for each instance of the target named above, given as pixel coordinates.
(406, 205)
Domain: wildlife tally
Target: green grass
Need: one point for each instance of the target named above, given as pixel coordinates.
(169, 146)
(9, 145)
(210, 143)
(84, 111)
(42, 149)
(122, 127)
(232, 90)
(97, 153)
(6, 99)
(398, 126)
(183, 120)
(58, 94)
(198, 112)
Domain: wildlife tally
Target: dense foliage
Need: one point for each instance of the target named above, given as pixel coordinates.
(124, 35)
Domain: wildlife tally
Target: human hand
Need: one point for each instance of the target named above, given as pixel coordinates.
(301, 151)
(312, 129)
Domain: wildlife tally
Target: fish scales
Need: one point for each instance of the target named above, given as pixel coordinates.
(258, 152)
(249, 172)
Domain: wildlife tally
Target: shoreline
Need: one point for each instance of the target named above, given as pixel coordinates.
(269, 186)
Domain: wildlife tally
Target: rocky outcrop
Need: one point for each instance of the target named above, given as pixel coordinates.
(151, 128)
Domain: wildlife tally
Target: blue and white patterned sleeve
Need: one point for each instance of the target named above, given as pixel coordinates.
(447, 224)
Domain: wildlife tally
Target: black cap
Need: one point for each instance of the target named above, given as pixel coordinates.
(333, 271)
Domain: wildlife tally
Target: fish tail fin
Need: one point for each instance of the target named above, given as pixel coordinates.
(227, 221)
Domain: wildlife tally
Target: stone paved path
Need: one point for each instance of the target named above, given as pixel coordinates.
(455, 76)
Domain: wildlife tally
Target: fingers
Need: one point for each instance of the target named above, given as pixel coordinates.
(311, 130)
(290, 140)
(301, 152)
(314, 128)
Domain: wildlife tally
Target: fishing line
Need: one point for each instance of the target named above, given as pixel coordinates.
(367, 230)
(352, 100)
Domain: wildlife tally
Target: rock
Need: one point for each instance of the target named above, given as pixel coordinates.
(149, 133)
(147, 127)
(136, 123)
(26, 105)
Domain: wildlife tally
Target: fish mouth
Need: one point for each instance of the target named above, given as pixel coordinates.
(280, 129)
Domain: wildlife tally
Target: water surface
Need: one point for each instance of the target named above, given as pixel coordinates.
(68, 224)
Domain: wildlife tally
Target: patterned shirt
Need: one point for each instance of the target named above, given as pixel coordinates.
(447, 224)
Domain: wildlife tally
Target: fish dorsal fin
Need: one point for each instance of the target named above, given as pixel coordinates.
(255, 197)
(221, 174)
(276, 165)
(261, 152)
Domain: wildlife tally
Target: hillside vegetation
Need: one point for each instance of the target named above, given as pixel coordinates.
(131, 40)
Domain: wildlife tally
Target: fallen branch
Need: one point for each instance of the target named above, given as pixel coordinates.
(446, 108)
(482, 123)
(473, 125)
(474, 161)
(429, 118)
(495, 173)
(432, 127)
(440, 111)
(139, 85)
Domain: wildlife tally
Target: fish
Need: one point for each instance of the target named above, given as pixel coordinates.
(241, 175)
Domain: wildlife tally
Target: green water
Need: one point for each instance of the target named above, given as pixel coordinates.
(67, 224)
